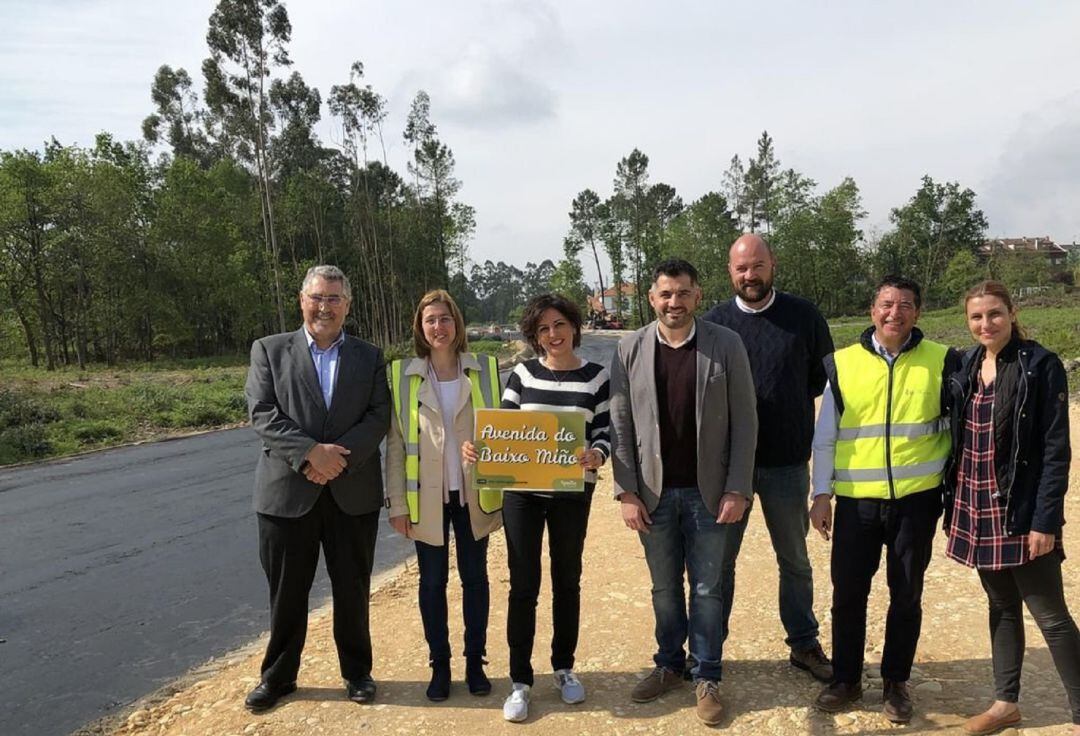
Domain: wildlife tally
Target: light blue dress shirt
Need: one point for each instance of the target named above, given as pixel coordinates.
(326, 364)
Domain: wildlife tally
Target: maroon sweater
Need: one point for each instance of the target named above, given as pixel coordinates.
(676, 398)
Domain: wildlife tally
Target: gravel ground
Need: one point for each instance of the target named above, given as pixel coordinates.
(763, 694)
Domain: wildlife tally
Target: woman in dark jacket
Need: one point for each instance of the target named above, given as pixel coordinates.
(1005, 494)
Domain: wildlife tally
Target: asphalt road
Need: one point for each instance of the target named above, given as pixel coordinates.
(121, 570)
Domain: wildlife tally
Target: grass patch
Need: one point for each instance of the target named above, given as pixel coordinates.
(1056, 326)
(48, 414)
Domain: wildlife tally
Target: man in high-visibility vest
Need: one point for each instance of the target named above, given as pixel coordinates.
(880, 446)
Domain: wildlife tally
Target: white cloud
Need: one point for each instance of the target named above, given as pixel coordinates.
(484, 89)
(1035, 187)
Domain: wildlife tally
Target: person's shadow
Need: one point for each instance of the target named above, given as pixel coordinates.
(760, 687)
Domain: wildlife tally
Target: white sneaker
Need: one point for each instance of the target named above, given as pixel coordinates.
(516, 705)
(570, 687)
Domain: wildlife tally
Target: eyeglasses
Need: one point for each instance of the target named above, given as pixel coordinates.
(332, 300)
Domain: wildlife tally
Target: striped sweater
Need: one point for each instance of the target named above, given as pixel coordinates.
(533, 387)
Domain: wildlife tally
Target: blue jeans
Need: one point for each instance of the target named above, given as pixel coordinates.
(684, 535)
(783, 493)
(434, 564)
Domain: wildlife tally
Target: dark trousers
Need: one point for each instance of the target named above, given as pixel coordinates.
(905, 528)
(434, 563)
(567, 520)
(289, 552)
(1038, 584)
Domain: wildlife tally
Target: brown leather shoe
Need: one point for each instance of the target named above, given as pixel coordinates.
(814, 661)
(710, 710)
(838, 696)
(655, 684)
(897, 701)
(985, 723)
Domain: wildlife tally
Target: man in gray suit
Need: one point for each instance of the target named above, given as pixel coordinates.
(684, 431)
(319, 401)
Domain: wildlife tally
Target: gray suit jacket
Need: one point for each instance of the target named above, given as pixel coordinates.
(726, 416)
(288, 413)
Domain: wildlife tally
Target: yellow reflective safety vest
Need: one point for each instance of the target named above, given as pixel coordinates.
(405, 389)
(892, 440)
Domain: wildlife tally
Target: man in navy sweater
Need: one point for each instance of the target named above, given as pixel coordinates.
(786, 339)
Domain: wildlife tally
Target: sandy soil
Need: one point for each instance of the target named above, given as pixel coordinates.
(762, 692)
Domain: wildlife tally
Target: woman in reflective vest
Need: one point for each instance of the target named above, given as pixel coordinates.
(1005, 495)
(435, 395)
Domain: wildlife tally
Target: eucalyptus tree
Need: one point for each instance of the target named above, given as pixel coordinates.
(361, 111)
(631, 205)
(585, 227)
(610, 232)
(247, 41)
(436, 186)
(178, 116)
(296, 108)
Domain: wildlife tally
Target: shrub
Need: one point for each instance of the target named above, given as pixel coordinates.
(91, 432)
(24, 442)
(18, 409)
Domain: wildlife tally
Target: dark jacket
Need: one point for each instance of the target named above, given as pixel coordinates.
(289, 415)
(1031, 434)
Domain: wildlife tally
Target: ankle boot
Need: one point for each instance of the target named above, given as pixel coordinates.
(439, 687)
(475, 678)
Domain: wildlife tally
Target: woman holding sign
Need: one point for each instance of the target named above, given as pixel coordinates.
(435, 395)
(556, 381)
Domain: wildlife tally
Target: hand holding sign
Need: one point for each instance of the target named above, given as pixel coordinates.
(530, 451)
(469, 455)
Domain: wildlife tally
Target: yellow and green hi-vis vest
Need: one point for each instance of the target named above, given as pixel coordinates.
(405, 389)
(892, 439)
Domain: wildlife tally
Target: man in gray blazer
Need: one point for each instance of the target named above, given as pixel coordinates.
(319, 401)
(683, 432)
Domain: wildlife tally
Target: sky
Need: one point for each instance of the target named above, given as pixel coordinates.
(539, 99)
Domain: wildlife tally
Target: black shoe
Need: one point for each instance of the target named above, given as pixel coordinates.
(838, 696)
(475, 678)
(897, 701)
(438, 689)
(265, 696)
(362, 690)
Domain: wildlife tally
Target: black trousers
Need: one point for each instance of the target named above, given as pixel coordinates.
(1037, 584)
(905, 528)
(289, 552)
(567, 520)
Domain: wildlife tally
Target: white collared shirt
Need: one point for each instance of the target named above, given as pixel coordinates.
(744, 307)
(663, 340)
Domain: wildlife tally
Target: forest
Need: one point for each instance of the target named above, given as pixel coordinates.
(192, 241)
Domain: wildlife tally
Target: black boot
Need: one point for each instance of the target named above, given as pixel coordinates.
(475, 678)
(439, 687)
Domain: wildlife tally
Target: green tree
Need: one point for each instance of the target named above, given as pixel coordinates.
(937, 223)
(631, 206)
(247, 41)
(703, 234)
(585, 226)
(963, 272)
